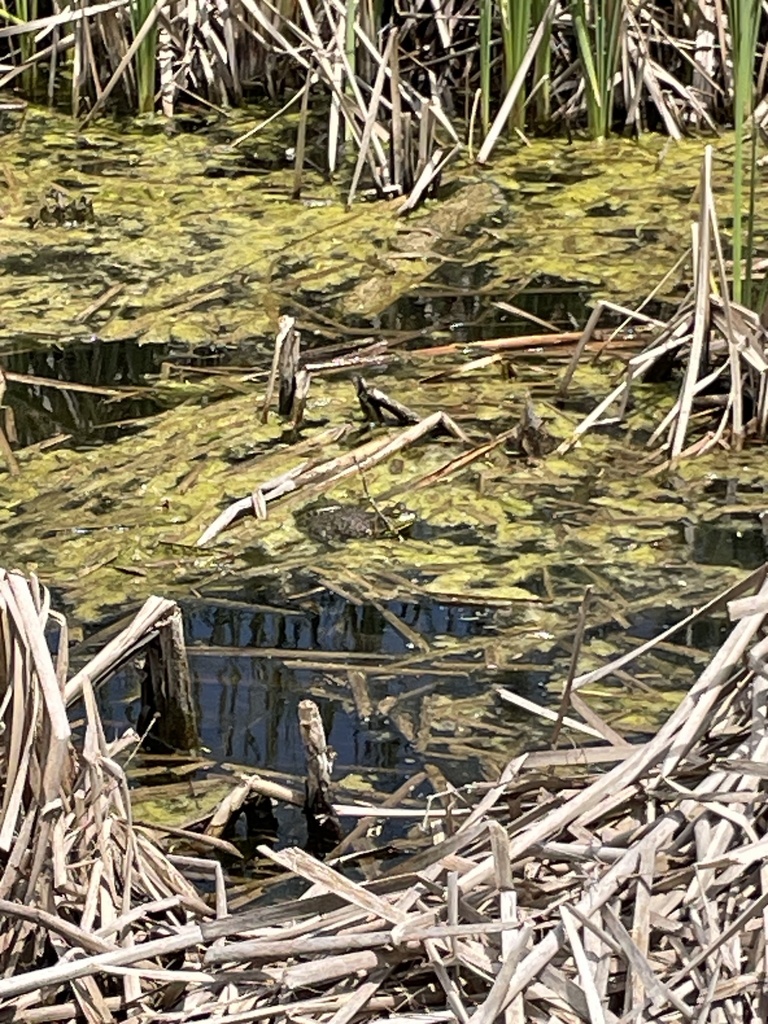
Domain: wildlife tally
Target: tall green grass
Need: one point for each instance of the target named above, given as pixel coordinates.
(145, 58)
(745, 24)
(486, 59)
(515, 27)
(518, 19)
(597, 25)
(25, 11)
(542, 68)
(269, 42)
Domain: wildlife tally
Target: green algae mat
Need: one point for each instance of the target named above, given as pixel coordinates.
(193, 238)
(115, 522)
(193, 241)
(110, 525)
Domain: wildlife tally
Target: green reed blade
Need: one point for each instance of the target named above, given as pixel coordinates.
(350, 44)
(145, 58)
(744, 23)
(515, 27)
(542, 67)
(597, 27)
(486, 25)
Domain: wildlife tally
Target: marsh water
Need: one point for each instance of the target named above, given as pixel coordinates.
(164, 306)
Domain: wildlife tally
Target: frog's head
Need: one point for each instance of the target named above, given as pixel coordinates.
(399, 516)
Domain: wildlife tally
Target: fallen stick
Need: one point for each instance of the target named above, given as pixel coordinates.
(71, 970)
(547, 713)
(69, 385)
(754, 579)
(500, 344)
(71, 932)
(577, 642)
(327, 472)
(267, 950)
(136, 635)
(670, 743)
(374, 403)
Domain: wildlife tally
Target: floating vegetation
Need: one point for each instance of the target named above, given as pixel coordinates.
(442, 542)
(219, 256)
(559, 58)
(395, 87)
(123, 519)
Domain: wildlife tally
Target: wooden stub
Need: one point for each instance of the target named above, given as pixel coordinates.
(5, 447)
(287, 366)
(323, 824)
(376, 403)
(285, 363)
(300, 392)
(167, 688)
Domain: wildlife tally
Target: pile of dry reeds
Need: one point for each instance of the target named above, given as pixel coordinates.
(559, 893)
(77, 878)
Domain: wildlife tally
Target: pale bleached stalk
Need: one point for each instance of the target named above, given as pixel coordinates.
(701, 315)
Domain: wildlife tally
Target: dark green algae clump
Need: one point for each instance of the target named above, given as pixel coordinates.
(111, 524)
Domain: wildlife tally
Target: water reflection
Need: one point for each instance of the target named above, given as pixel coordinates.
(248, 702)
(40, 412)
(451, 300)
(252, 664)
(462, 302)
(729, 541)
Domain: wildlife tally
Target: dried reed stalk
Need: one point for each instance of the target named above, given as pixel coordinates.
(323, 473)
(579, 895)
(75, 873)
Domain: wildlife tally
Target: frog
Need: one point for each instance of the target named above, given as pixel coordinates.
(60, 211)
(332, 522)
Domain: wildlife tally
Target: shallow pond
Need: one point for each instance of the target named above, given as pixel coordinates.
(168, 301)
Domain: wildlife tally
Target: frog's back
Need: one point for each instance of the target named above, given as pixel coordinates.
(332, 522)
(335, 522)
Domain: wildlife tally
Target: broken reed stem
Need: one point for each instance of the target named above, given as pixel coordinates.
(320, 758)
(724, 340)
(325, 472)
(578, 639)
(285, 359)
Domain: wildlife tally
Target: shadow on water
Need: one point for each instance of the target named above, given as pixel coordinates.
(729, 541)
(40, 412)
(462, 302)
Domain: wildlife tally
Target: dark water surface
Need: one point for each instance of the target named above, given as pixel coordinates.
(461, 314)
(248, 702)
